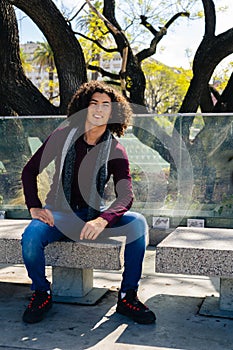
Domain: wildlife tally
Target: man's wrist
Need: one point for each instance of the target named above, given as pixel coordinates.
(103, 221)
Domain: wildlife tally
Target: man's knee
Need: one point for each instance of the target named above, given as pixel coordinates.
(139, 222)
(137, 228)
(33, 236)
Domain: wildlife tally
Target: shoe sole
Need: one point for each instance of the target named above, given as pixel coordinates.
(135, 319)
(39, 319)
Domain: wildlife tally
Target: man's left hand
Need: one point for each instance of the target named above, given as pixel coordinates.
(93, 228)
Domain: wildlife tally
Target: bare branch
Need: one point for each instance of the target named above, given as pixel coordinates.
(118, 34)
(103, 72)
(179, 14)
(210, 17)
(123, 70)
(97, 43)
(76, 14)
(158, 35)
(112, 82)
(147, 25)
(106, 22)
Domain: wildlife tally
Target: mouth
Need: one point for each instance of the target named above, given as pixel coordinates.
(97, 116)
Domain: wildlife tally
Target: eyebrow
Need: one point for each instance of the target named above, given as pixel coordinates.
(94, 100)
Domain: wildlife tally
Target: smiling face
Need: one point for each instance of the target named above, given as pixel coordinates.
(99, 110)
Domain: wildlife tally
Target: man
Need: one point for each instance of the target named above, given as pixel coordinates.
(86, 154)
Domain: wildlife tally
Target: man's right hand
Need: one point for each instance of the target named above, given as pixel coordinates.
(44, 215)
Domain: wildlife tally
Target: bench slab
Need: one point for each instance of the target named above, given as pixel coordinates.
(104, 254)
(201, 251)
(196, 251)
(72, 262)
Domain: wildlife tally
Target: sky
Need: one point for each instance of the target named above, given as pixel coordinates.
(172, 49)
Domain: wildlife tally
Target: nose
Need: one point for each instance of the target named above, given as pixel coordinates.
(99, 107)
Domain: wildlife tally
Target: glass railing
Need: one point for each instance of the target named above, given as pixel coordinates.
(181, 164)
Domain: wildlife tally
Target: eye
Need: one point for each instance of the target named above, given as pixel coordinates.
(92, 104)
(106, 105)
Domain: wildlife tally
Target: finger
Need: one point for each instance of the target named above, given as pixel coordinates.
(44, 217)
(95, 235)
(83, 232)
(87, 234)
(47, 221)
(50, 217)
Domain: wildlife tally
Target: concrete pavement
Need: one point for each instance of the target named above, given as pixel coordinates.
(174, 298)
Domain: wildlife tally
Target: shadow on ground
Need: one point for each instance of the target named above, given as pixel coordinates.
(76, 327)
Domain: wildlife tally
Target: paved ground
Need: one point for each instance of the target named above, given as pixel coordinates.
(174, 298)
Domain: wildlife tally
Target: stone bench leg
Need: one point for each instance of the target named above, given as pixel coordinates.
(72, 285)
(222, 306)
(226, 294)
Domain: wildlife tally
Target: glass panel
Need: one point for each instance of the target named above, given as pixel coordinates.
(19, 139)
(181, 165)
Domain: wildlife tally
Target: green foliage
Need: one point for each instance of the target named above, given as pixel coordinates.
(44, 56)
(94, 28)
(136, 174)
(226, 204)
(27, 67)
(166, 86)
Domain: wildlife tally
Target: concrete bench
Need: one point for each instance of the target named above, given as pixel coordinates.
(72, 262)
(201, 251)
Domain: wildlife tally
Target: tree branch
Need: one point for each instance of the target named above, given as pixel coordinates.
(158, 35)
(76, 14)
(103, 72)
(113, 82)
(210, 17)
(147, 25)
(179, 14)
(108, 24)
(121, 40)
(96, 42)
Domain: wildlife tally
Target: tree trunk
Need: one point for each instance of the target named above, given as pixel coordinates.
(13, 86)
(68, 54)
(210, 53)
(17, 92)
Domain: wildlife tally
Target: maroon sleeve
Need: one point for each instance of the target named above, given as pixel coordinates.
(119, 167)
(29, 180)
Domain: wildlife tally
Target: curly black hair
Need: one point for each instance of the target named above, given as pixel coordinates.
(121, 110)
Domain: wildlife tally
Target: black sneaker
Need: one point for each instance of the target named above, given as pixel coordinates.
(40, 303)
(130, 306)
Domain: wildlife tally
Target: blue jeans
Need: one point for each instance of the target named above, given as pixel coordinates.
(38, 235)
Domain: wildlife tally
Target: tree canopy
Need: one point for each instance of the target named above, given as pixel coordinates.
(109, 34)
